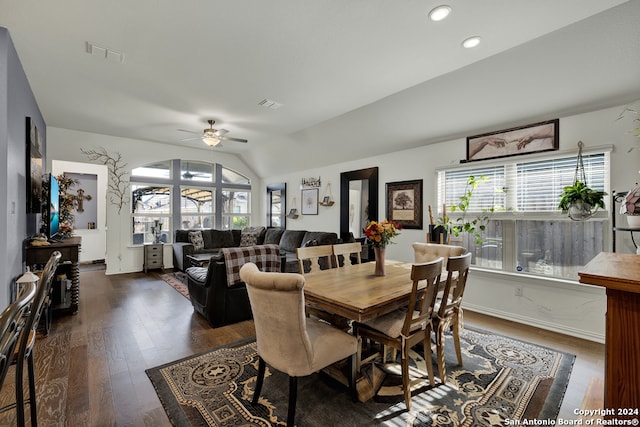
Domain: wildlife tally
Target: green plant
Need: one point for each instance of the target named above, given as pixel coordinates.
(474, 226)
(579, 192)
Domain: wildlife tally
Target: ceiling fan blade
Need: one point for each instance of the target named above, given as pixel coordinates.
(189, 131)
(227, 138)
(190, 139)
(221, 132)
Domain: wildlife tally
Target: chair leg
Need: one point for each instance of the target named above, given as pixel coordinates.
(406, 380)
(20, 392)
(32, 390)
(259, 380)
(353, 362)
(427, 358)
(293, 396)
(456, 338)
(440, 350)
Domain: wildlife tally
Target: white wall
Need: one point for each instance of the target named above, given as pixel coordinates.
(571, 308)
(122, 257)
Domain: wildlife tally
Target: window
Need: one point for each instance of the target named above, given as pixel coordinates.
(150, 204)
(527, 232)
(202, 195)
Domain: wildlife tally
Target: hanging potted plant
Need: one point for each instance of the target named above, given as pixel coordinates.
(580, 201)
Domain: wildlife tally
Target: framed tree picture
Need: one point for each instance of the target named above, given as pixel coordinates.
(310, 201)
(404, 203)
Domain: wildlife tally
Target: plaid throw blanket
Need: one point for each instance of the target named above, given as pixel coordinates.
(266, 257)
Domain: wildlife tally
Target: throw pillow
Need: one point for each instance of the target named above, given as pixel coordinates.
(195, 237)
(249, 236)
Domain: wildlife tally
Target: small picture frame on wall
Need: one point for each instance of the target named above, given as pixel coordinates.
(404, 203)
(310, 201)
(534, 138)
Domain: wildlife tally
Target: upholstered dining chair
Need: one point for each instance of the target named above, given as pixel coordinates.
(24, 350)
(347, 250)
(425, 252)
(314, 254)
(448, 308)
(288, 340)
(12, 322)
(406, 327)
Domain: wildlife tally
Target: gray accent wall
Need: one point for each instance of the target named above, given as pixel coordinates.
(17, 102)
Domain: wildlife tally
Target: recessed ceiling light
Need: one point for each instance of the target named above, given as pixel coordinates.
(439, 13)
(471, 42)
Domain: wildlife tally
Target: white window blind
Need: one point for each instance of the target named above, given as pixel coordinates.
(521, 186)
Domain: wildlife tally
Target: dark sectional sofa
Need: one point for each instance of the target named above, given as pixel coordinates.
(210, 296)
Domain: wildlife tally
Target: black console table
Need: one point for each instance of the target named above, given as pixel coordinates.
(69, 266)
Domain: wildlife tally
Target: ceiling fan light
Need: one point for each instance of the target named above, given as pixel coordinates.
(210, 141)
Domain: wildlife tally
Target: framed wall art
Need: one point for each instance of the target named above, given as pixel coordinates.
(538, 137)
(34, 167)
(310, 201)
(404, 203)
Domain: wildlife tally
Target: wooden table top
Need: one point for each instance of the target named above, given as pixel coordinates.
(613, 271)
(354, 292)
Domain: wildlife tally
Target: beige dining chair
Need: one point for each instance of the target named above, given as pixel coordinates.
(314, 254)
(425, 252)
(404, 328)
(288, 340)
(347, 250)
(449, 310)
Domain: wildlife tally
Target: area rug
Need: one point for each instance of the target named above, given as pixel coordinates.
(503, 379)
(178, 281)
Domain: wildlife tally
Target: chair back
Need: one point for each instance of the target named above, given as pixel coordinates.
(425, 252)
(457, 274)
(12, 322)
(314, 254)
(346, 250)
(277, 303)
(42, 292)
(422, 300)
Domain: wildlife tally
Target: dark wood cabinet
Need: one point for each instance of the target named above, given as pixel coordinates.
(64, 301)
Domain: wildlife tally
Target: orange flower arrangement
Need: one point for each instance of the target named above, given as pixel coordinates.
(381, 233)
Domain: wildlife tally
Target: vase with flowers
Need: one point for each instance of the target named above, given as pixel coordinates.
(379, 234)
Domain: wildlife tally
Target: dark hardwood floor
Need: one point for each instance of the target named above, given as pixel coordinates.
(91, 368)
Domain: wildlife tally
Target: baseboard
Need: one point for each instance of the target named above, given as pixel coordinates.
(554, 327)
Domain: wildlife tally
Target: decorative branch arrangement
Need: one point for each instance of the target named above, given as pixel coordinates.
(118, 176)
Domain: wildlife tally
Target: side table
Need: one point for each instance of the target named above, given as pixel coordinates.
(153, 256)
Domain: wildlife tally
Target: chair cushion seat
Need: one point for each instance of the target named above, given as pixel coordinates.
(199, 274)
(391, 323)
(329, 345)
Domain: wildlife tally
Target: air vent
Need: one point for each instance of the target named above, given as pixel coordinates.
(269, 103)
(104, 53)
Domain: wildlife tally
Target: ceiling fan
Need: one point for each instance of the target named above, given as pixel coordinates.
(212, 137)
(188, 174)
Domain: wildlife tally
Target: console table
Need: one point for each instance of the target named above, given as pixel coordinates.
(69, 265)
(620, 275)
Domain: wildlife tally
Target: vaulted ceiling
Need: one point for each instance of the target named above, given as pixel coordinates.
(354, 77)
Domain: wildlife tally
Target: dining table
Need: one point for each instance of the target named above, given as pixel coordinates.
(355, 293)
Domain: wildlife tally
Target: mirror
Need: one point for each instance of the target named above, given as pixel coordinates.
(276, 205)
(358, 201)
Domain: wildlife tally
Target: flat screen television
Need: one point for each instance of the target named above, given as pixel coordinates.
(52, 212)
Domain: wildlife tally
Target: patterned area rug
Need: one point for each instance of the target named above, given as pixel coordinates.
(502, 379)
(178, 281)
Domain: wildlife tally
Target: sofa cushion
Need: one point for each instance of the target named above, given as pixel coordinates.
(182, 236)
(272, 236)
(291, 240)
(322, 237)
(198, 274)
(251, 236)
(195, 237)
(216, 239)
